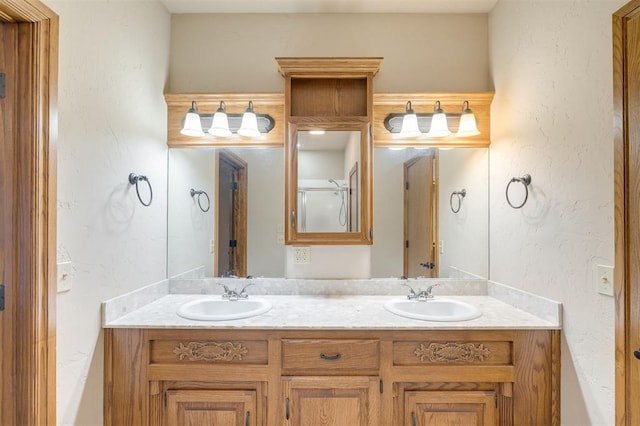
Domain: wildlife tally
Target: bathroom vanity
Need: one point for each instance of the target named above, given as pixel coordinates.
(337, 359)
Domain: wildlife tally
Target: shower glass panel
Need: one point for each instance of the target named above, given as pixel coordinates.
(322, 205)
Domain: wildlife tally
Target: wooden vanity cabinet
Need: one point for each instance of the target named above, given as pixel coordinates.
(331, 377)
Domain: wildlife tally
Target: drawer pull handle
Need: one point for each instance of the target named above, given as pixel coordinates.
(330, 357)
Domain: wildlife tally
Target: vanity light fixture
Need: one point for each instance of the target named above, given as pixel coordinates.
(249, 126)
(222, 124)
(409, 127)
(439, 126)
(467, 126)
(316, 132)
(431, 125)
(192, 124)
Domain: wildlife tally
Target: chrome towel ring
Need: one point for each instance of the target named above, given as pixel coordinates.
(134, 180)
(200, 194)
(459, 195)
(525, 181)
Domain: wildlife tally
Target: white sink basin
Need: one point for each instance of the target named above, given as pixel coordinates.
(217, 309)
(436, 309)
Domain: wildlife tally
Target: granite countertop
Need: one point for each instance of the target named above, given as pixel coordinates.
(331, 312)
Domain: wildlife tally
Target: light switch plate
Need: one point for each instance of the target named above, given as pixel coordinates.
(65, 270)
(604, 279)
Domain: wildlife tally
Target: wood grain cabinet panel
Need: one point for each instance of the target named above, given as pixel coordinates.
(453, 353)
(331, 401)
(450, 408)
(211, 407)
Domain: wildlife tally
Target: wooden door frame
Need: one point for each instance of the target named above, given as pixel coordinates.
(625, 313)
(241, 209)
(34, 392)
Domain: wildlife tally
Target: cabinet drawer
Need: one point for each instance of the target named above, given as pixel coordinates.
(452, 353)
(326, 357)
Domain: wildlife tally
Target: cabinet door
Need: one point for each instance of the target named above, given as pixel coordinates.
(450, 408)
(211, 407)
(331, 401)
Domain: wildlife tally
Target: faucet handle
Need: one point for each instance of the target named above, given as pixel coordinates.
(243, 292)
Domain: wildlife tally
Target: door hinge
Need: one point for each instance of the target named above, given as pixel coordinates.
(381, 386)
(233, 186)
(406, 243)
(233, 243)
(1, 297)
(406, 186)
(164, 398)
(3, 85)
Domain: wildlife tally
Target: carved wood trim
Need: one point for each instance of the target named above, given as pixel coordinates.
(210, 351)
(452, 352)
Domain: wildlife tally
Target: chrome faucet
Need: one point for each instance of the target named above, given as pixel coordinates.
(234, 295)
(421, 295)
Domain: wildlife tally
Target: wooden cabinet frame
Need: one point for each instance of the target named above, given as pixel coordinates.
(520, 367)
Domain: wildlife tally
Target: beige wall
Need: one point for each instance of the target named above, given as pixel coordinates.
(235, 53)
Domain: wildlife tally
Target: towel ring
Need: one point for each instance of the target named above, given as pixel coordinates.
(134, 180)
(525, 181)
(200, 194)
(460, 196)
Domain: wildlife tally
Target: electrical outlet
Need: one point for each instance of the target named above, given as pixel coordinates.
(441, 244)
(212, 246)
(280, 238)
(65, 270)
(302, 255)
(604, 280)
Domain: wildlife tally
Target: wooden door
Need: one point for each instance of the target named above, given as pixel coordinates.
(420, 257)
(626, 63)
(211, 408)
(28, 60)
(231, 216)
(451, 408)
(331, 401)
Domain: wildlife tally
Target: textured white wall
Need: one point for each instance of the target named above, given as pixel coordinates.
(113, 67)
(552, 118)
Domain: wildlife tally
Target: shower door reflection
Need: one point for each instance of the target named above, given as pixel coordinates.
(322, 205)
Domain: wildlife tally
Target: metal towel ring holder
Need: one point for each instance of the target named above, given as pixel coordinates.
(525, 181)
(134, 179)
(460, 196)
(200, 194)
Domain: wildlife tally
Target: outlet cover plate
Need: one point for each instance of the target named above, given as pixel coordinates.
(302, 255)
(604, 279)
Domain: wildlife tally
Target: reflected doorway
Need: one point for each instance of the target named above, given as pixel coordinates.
(420, 217)
(230, 257)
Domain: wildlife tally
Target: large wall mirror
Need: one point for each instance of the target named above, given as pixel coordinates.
(242, 233)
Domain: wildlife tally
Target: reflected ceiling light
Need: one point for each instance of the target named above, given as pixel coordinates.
(439, 126)
(467, 126)
(409, 127)
(249, 126)
(192, 124)
(316, 132)
(220, 123)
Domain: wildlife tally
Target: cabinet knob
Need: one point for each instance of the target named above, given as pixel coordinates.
(636, 353)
